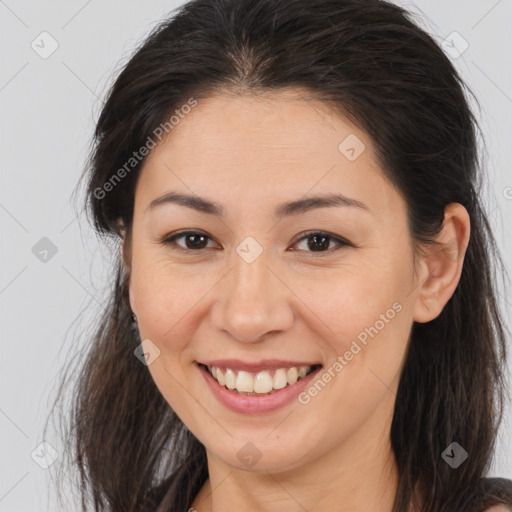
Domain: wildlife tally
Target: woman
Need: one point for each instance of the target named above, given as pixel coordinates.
(304, 315)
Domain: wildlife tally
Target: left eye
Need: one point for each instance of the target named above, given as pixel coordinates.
(318, 241)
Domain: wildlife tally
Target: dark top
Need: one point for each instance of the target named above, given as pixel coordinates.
(490, 492)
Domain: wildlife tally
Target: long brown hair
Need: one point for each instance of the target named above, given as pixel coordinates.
(370, 60)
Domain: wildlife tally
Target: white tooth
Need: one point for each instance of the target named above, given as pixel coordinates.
(263, 382)
(292, 375)
(230, 379)
(280, 379)
(303, 370)
(213, 370)
(244, 382)
(220, 377)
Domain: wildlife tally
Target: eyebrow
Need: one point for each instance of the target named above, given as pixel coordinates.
(287, 209)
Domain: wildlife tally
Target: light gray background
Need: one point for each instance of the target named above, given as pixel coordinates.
(48, 109)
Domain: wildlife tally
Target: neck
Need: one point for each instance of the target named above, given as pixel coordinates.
(358, 475)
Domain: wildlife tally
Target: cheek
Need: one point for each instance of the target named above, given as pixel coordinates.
(171, 301)
(168, 303)
(359, 302)
(368, 312)
(164, 300)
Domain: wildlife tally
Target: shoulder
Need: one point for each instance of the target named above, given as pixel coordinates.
(495, 494)
(498, 486)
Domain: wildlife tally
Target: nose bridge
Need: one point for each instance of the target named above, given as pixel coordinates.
(249, 261)
(252, 301)
(250, 274)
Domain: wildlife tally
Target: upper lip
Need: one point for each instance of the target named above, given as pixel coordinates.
(269, 364)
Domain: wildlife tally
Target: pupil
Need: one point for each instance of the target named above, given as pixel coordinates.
(323, 244)
(195, 245)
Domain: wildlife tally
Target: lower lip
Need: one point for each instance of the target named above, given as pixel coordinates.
(252, 404)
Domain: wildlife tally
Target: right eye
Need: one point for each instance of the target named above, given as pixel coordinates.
(197, 240)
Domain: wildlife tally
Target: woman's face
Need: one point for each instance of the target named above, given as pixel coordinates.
(251, 291)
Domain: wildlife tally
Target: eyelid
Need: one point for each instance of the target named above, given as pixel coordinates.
(171, 238)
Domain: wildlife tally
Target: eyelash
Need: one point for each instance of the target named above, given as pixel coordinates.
(170, 240)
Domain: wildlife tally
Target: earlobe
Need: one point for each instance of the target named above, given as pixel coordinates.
(443, 264)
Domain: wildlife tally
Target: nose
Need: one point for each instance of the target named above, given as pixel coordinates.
(252, 302)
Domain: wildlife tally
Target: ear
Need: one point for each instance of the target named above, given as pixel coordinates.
(121, 229)
(442, 264)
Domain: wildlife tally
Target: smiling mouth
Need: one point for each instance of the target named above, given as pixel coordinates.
(260, 383)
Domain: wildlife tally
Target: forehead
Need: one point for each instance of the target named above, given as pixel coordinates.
(288, 123)
(262, 147)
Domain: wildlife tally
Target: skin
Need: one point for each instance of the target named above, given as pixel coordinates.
(250, 154)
